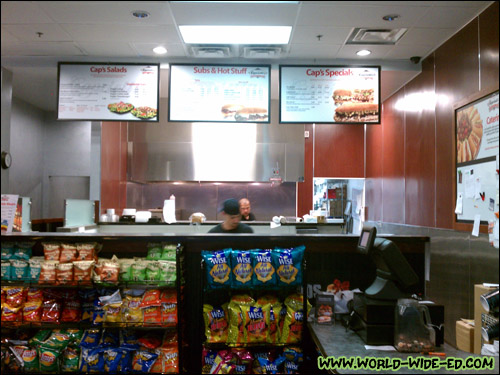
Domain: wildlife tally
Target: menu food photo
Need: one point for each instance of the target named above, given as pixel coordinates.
(108, 92)
(219, 93)
(330, 94)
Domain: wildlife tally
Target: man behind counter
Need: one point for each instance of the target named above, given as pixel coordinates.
(231, 223)
(246, 215)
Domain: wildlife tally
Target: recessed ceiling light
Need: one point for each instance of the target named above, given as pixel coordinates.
(140, 14)
(160, 50)
(391, 17)
(194, 34)
(363, 52)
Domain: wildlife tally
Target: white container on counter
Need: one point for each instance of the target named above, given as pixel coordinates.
(142, 216)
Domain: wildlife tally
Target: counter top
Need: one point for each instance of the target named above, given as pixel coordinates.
(335, 340)
(213, 222)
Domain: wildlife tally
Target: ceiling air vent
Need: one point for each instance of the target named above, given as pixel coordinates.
(210, 51)
(375, 36)
(261, 52)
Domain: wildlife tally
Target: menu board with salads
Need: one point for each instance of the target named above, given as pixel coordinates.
(219, 93)
(330, 94)
(108, 92)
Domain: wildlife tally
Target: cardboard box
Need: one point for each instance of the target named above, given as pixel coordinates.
(465, 336)
(479, 290)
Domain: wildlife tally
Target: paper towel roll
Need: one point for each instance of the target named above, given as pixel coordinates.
(169, 211)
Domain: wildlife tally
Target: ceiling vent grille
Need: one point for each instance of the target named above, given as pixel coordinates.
(262, 52)
(375, 36)
(210, 51)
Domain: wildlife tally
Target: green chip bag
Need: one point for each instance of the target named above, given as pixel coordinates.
(40, 337)
(30, 359)
(48, 358)
(169, 252)
(126, 269)
(70, 359)
(153, 271)
(138, 272)
(154, 251)
(167, 271)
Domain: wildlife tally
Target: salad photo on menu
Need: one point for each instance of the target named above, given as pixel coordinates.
(120, 107)
(144, 112)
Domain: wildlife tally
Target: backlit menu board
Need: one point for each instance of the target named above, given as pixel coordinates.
(108, 92)
(330, 94)
(219, 93)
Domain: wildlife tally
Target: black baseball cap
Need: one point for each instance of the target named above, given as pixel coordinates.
(231, 207)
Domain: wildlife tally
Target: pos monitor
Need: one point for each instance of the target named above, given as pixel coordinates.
(394, 273)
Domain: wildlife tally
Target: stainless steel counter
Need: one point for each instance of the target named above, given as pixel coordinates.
(336, 341)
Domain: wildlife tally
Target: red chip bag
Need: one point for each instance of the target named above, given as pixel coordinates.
(32, 311)
(72, 311)
(150, 341)
(110, 272)
(152, 297)
(48, 272)
(34, 294)
(51, 250)
(152, 316)
(51, 312)
(64, 273)
(14, 296)
(83, 271)
(11, 314)
(68, 253)
(86, 251)
(169, 308)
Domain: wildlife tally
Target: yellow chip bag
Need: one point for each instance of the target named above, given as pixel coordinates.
(255, 320)
(216, 323)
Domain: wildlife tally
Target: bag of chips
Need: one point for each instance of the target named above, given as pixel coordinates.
(126, 269)
(169, 252)
(152, 297)
(169, 356)
(32, 311)
(223, 363)
(70, 359)
(51, 311)
(112, 359)
(255, 319)
(263, 268)
(152, 271)
(169, 308)
(138, 272)
(64, 274)
(294, 320)
(51, 251)
(207, 360)
(243, 360)
(272, 367)
(48, 272)
(83, 271)
(92, 360)
(35, 264)
(241, 261)
(143, 361)
(7, 250)
(216, 323)
(218, 268)
(237, 331)
(23, 250)
(288, 263)
(30, 359)
(168, 272)
(294, 359)
(49, 359)
(86, 251)
(40, 337)
(19, 270)
(6, 270)
(68, 253)
(91, 338)
(131, 310)
(72, 311)
(154, 251)
(110, 272)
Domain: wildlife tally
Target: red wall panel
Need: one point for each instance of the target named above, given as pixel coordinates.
(374, 171)
(305, 189)
(488, 47)
(393, 161)
(339, 151)
(113, 166)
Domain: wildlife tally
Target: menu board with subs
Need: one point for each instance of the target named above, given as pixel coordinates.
(330, 94)
(219, 93)
(108, 92)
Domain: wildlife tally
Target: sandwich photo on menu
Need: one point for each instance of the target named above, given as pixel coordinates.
(229, 110)
(362, 96)
(251, 114)
(342, 95)
(356, 112)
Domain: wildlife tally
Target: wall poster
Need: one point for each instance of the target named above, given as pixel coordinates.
(108, 92)
(477, 146)
(330, 94)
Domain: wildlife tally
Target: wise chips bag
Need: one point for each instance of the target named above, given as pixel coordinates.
(241, 261)
(218, 268)
(216, 323)
(263, 268)
(288, 264)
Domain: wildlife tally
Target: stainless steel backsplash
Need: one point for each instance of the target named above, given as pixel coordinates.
(267, 200)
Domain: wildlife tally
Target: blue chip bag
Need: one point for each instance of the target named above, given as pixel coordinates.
(112, 359)
(7, 250)
(264, 271)
(128, 340)
(241, 262)
(272, 367)
(19, 270)
(218, 268)
(91, 339)
(92, 360)
(143, 361)
(6, 270)
(23, 250)
(288, 264)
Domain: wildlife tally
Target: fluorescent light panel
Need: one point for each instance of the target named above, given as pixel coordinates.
(193, 34)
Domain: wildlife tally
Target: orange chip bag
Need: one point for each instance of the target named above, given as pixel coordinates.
(152, 297)
(48, 272)
(83, 271)
(109, 272)
(169, 308)
(64, 273)
(32, 311)
(86, 251)
(170, 360)
(68, 253)
(51, 250)
(152, 315)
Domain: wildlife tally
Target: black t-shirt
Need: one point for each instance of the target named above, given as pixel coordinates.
(241, 228)
(251, 217)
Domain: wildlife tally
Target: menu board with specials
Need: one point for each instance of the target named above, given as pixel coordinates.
(108, 92)
(219, 93)
(330, 94)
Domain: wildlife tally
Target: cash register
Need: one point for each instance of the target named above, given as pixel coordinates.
(372, 315)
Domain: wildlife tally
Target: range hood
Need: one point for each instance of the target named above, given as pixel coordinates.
(168, 151)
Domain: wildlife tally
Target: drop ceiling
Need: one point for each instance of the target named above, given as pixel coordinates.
(37, 34)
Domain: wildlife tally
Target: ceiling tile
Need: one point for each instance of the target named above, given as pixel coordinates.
(122, 49)
(23, 12)
(42, 49)
(123, 33)
(28, 33)
(330, 35)
(359, 15)
(234, 14)
(349, 52)
(444, 17)
(430, 37)
(106, 12)
(327, 51)
(146, 49)
(8, 37)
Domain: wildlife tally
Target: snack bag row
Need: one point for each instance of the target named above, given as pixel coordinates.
(252, 361)
(17, 250)
(243, 269)
(68, 252)
(245, 321)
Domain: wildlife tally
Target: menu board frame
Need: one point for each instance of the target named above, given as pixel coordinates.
(325, 67)
(108, 64)
(237, 66)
